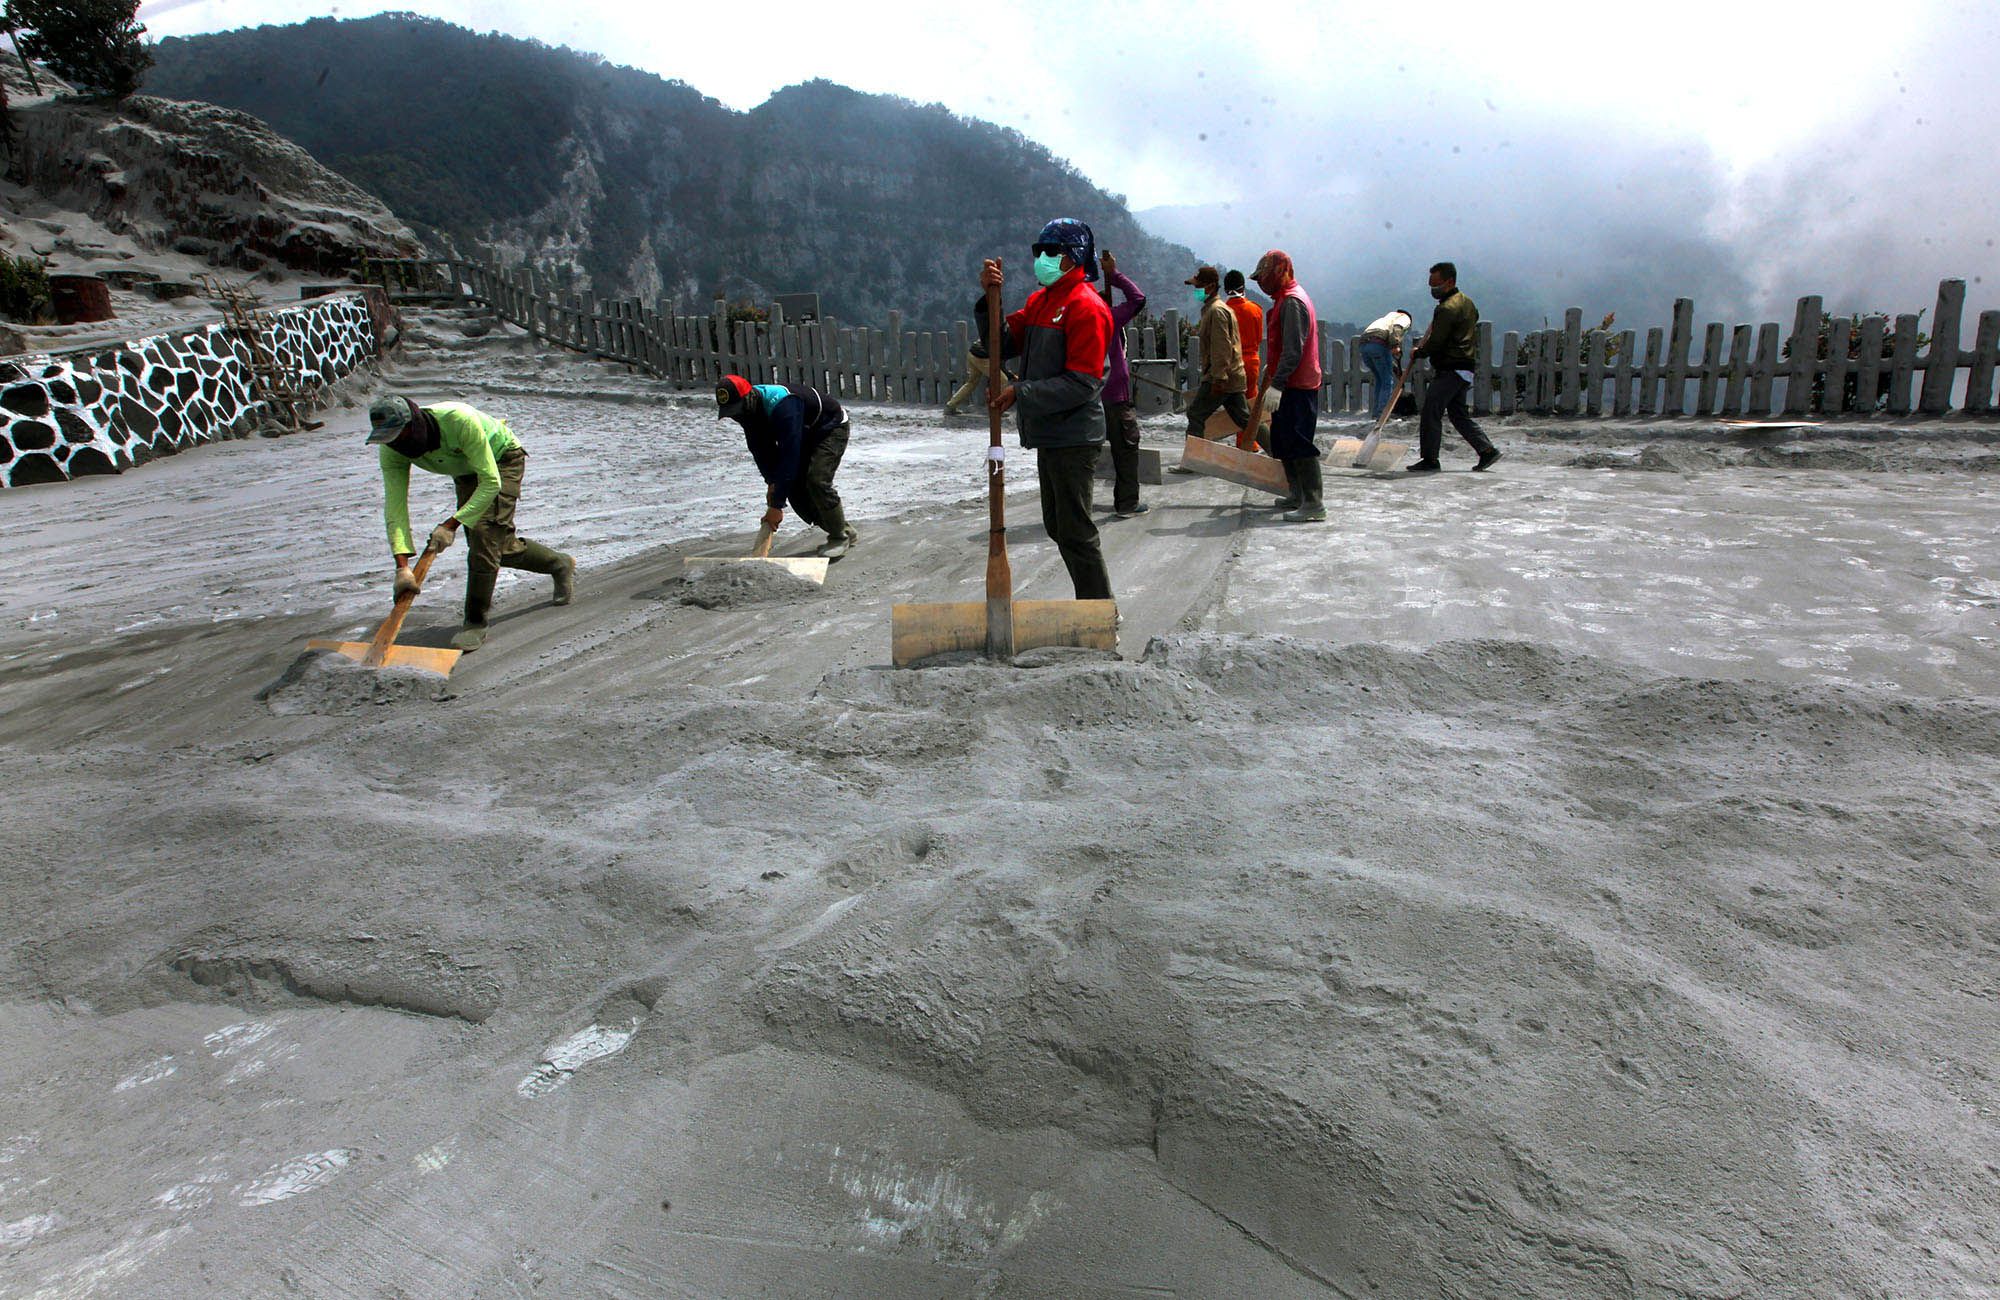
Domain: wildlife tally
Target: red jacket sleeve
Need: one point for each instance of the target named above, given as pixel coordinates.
(1087, 327)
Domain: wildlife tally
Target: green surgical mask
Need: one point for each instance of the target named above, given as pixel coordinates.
(1048, 268)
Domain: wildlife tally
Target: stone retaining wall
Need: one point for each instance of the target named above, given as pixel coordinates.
(103, 410)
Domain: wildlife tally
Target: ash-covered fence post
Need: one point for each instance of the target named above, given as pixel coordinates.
(1765, 372)
(1679, 338)
(1598, 342)
(1569, 394)
(1903, 363)
(1838, 364)
(1482, 370)
(1649, 372)
(1985, 355)
(1804, 346)
(1941, 360)
(1712, 362)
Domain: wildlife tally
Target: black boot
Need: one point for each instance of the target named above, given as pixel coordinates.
(1290, 502)
(1312, 493)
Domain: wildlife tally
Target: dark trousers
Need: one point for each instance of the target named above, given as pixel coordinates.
(1121, 433)
(1066, 474)
(1446, 397)
(812, 494)
(1294, 423)
(1209, 403)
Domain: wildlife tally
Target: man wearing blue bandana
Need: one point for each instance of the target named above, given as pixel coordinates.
(1062, 337)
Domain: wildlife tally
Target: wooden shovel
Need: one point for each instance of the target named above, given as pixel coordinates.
(383, 652)
(1001, 627)
(1217, 457)
(810, 567)
(1357, 453)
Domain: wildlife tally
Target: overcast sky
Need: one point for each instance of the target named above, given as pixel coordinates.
(1742, 151)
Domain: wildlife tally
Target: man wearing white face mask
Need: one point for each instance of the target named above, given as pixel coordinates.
(1222, 375)
(1062, 336)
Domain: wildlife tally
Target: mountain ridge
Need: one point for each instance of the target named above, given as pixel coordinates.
(617, 180)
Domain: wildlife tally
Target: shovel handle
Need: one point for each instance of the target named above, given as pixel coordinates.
(761, 548)
(1395, 395)
(385, 635)
(999, 576)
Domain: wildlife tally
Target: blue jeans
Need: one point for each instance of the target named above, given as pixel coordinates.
(1376, 357)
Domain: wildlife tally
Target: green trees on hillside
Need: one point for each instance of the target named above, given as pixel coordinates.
(92, 44)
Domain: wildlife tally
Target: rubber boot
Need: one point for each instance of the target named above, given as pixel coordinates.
(537, 558)
(1312, 493)
(478, 600)
(1290, 502)
(839, 536)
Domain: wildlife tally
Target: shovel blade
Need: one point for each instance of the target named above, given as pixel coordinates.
(1343, 453)
(920, 631)
(1248, 468)
(1387, 458)
(810, 567)
(432, 659)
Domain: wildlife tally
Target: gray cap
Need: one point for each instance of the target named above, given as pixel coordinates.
(388, 415)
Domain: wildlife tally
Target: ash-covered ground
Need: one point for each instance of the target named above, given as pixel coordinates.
(1571, 881)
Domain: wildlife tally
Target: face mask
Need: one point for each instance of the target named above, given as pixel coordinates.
(1200, 299)
(1442, 291)
(1048, 268)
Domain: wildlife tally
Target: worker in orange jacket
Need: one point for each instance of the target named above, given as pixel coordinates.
(1249, 329)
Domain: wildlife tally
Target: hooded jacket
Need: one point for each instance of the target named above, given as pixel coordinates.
(1118, 371)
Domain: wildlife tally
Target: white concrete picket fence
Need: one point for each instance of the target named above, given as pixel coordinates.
(1845, 368)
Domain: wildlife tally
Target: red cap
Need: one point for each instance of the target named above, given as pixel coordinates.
(730, 394)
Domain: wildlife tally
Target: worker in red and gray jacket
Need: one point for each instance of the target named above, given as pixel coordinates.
(1062, 337)
(1293, 344)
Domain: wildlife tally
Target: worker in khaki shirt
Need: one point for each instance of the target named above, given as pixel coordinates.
(1222, 376)
(485, 462)
(1382, 353)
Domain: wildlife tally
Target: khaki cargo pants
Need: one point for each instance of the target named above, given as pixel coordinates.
(492, 542)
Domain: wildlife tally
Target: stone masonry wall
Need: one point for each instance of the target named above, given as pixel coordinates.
(105, 410)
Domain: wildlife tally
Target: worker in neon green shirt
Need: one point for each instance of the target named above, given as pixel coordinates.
(485, 462)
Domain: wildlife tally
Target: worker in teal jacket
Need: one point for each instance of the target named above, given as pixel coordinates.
(485, 462)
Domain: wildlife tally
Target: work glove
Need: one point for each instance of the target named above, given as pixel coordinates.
(441, 538)
(772, 517)
(406, 583)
